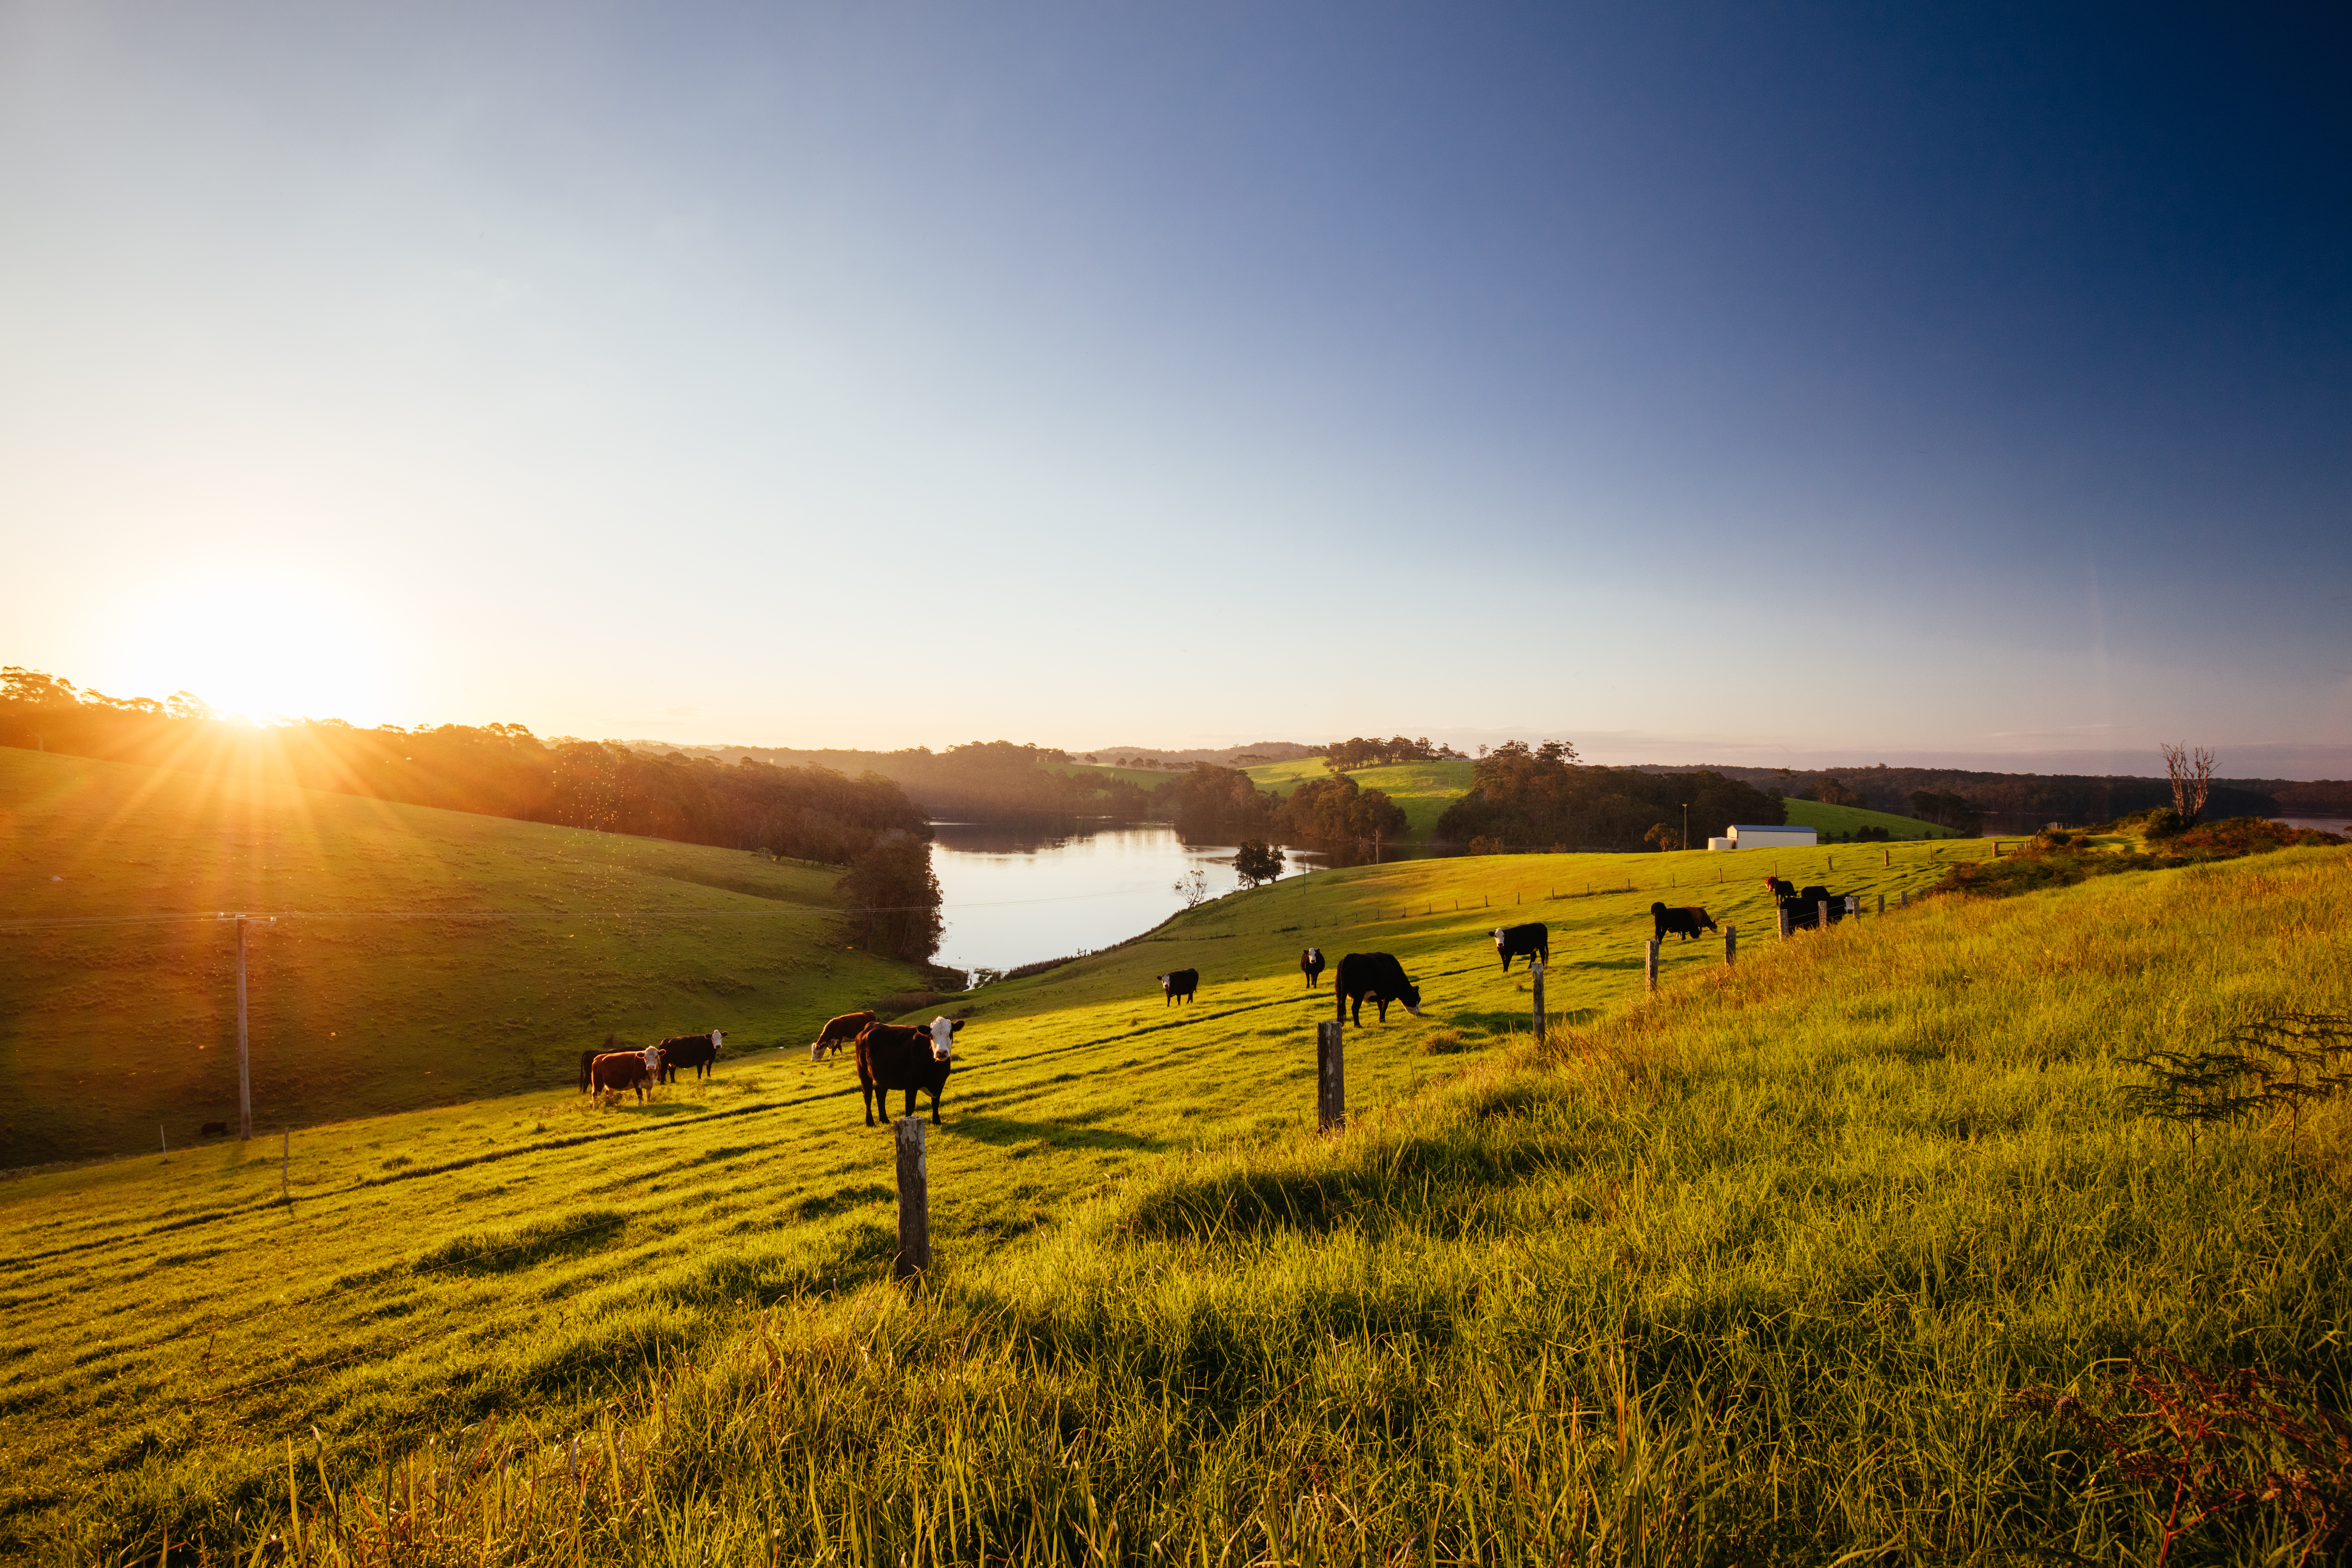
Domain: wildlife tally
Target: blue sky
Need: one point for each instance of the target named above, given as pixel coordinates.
(1754, 383)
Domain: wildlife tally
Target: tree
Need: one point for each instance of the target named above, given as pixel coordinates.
(1830, 790)
(894, 898)
(1192, 887)
(1663, 836)
(1257, 861)
(2191, 772)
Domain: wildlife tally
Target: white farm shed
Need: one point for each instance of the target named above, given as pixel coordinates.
(1750, 836)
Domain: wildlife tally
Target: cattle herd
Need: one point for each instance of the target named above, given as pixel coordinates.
(917, 1058)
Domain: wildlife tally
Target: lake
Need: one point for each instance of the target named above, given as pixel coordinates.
(1017, 892)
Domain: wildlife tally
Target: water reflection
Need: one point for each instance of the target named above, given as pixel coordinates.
(1017, 891)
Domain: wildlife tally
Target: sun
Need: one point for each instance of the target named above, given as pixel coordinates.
(261, 642)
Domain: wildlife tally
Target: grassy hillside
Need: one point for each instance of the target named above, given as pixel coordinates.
(1746, 1272)
(420, 956)
(1423, 789)
(1847, 818)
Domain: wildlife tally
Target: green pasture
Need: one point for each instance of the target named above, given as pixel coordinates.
(1424, 790)
(1847, 818)
(420, 956)
(1743, 1272)
(1145, 779)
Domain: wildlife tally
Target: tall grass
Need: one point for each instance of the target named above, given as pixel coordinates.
(1749, 1274)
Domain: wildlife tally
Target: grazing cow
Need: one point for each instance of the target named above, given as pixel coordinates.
(1687, 920)
(1379, 976)
(1805, 908)
(696, 1051)
(1531, 939)
(213, 1130)
(1310, 964)
(906, 1056)
(1179, 983)
(613, 1071)
(837, 1033)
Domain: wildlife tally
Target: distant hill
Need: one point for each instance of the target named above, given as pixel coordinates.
(422, 956)
(2018, 802)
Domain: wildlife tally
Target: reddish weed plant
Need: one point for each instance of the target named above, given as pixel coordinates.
(2210, 1448)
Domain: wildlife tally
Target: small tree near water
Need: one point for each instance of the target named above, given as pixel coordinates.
(1257, 861)
(2191, 772)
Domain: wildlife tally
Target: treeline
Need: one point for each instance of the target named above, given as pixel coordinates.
(864, 823)
(1969, 800)
(1359, 752)
(984, 778)
(1541, 797)
(1217, 803)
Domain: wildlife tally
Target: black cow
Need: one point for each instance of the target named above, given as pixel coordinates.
(1804, 909)
(1180, 983)
(907, 1057)
(1310, 964)
(213, 1130)
(696, 1051)
(1379, 976)
(1687, 920)
(1531, 939)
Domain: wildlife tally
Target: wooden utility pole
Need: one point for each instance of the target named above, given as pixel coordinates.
(914, 1201)
(1330, 1079)
(244, 1062)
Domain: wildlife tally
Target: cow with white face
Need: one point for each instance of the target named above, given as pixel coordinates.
(906, 1056)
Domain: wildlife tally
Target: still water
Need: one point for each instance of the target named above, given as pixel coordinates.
(1018, 892)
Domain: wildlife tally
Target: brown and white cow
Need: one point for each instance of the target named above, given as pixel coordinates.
(905, 1056)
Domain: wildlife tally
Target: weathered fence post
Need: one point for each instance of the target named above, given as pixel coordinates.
(1822, 915)
(1853, 906)
(166, 1140)
(1785, 926)
(1882, 903)
(244, 1071)
(1902, 898)
(1537, 971)
(1330, 1079)
(1731, 945)
(914, 1202)
(1650, 965)
(1886, 857)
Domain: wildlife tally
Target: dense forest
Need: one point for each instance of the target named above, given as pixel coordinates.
(1538, 797)
(2016, 802)
(866, 824)
(1213, 802)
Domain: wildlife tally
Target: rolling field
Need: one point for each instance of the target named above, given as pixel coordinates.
(1742, 1273)
(1846, 818)
(1424, 790)
(421, 956)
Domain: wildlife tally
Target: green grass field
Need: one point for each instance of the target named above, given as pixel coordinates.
(1847, 818)
(505, 961)
(1424, 790)
(1743, 1273)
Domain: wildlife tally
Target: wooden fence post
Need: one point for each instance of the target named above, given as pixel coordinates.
(1882, 903)
(1902, 898)
(1731, 945)
(1886, 857)
(1650, 965)
(1330, 1079)
(914, 1202)
(1853, 906)
(1822, 915)
(1784, 923)
(1537, 969)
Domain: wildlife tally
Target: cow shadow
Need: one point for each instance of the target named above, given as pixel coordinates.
(1068, 1133)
